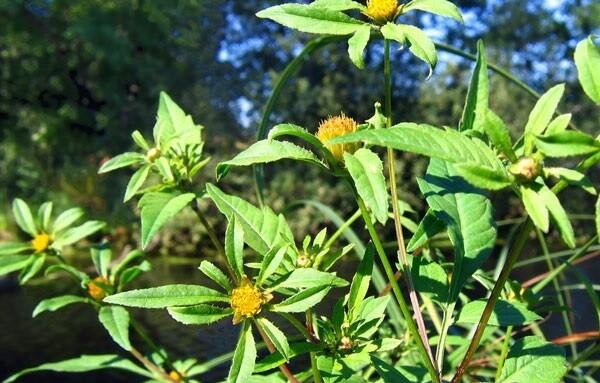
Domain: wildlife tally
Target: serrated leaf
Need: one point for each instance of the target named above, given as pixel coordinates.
(13, 262)
(468, 215)
(309, 278)
(116, 321)
(587, 59)
(85, 363)
(360, 282)
(429, 226)
(306, 18)
(430, 279)
(66, 219)
(266, 151)
(199, 314)
(366, 170)
(173, 125)
(121, 161)
(483, 177)
(449, 145)
(275, 359)
(74, 234)
(262, 227)
(302, 301)
(234, 246)
(419, 43)
(406, 374)
(23, 217)
(244, 356)
(276, 336)
(56, 303)
(338, 5)
(559, 124)
(157, 208)
(572, 177)
(541, 115)
(476, 103)
(559, 215)
(136, 182)
(536, 208)
(499, 134)
(357, 44)
(167, 296)
(14, 248)
(533, 360)
(567, 143)
(214, 273)
(439, 7)
(270, 263)
(505, 313)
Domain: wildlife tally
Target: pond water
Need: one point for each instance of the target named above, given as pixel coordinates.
(75, 330)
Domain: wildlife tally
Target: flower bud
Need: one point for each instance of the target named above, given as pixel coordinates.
(153, 154)
(382, 11)
(526, 169)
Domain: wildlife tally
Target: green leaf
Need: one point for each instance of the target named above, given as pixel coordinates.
(309, 278)
(10, 263)
(429, 226)
(53, 304)
(572, 177)
(499, 135)
(234, 246)
(275, 359)
(559, 215)
(483, 177)
(266, 151)
(587, 59)
(173, 125)
(533, 360)
(122, 161)
(44, 215)
(77, 233)
(167, 296)
(366, 170)
(32, 268)
(598, 217)
(123, 263)
(559, 124)
(420, 44)
(85, 363)
(140, 141)
(476, 105)
(438, 7)
(302, 301)
(270, 263)
(101, 257)
(536, 207)
(448, 145)
(338, 5)
(14, 248)
(244, 356)
(199, 314)
(116, 321)
(567, 143)
(159, 207)
(79, 276)
(136, 182)
(214, 273)
(306, 18)
(360, 282)
(468, 215)
(430, 279)
(263, 229)
(505, 313)
(541, 115)
(276, 336)
(66, 219)
(391, 374)
(23, 217)
(357, 44)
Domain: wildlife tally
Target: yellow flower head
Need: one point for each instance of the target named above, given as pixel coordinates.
(96, 288)
(382, 11)
(153, 154)
(336, 127)
(176, 376)
(247, 300)
(41, 242)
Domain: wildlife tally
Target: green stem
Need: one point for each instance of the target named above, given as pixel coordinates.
(504, 352)
(410, 323)
(317, 378)
(341, 229)
(414, 300)
(446, 323)
(556, 285)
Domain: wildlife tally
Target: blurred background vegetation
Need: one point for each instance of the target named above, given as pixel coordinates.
(77, 77)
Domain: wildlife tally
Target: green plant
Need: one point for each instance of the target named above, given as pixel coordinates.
(364, 338)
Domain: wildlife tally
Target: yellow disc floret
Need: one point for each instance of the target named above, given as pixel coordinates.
(41, 242)
(97, 288)
(382, 11)
(176, 376)
(153, 154)
(247, 300)
(336, 127)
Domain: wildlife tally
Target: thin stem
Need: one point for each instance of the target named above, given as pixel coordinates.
(410, 323)
(414, 300)
(556, 285)
(317, 378)
(446, 322)
(341, 229)
(504, 352)
(283, 367)
(151, 366)
(142, 334)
